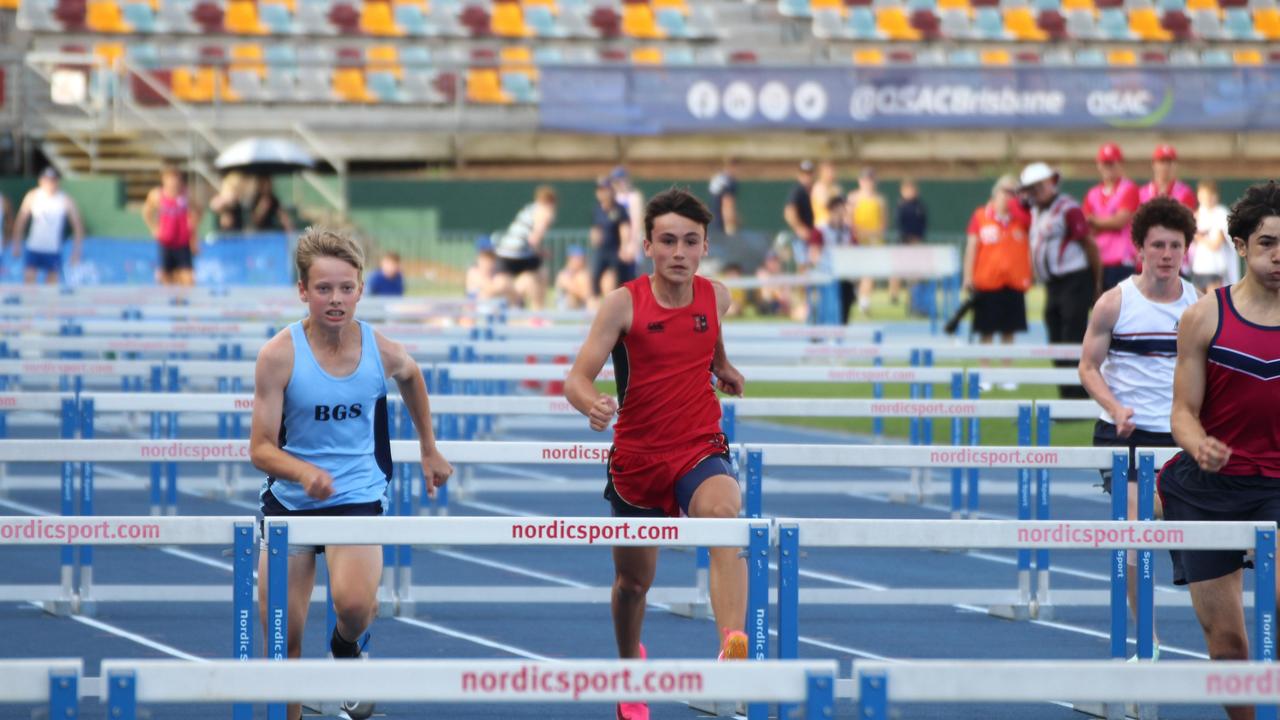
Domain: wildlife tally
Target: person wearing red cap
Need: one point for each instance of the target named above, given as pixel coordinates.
(1109, 208)
(1164, 179)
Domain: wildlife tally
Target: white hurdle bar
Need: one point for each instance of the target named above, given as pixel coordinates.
(753, 535)
(796, 534)
(131, 683)
(54, 683)
(880, 685)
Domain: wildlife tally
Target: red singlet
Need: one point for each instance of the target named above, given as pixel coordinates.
(1242, 391)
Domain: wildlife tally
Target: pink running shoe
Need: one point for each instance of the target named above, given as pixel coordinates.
(734, 646)
(635, 711)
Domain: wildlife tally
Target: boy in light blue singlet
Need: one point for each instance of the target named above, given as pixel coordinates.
(320, 435)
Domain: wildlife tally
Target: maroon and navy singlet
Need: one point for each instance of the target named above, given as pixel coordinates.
(1242, 391)
(668, 412)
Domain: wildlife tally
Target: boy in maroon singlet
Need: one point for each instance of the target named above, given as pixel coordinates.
(669, 456)
(1226, 389)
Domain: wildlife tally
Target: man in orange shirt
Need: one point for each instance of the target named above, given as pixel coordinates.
(997, 264)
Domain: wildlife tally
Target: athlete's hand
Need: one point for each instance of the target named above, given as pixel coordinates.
(436, 470)
(317, 483)
(1212, 455)
(729, 381)
(602, 412)
(1124, 422)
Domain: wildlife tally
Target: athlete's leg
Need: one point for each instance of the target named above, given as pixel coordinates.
(633, 569)
(354, 572)
(302, 578)
(184, 277)
(719, 497)
(52, 276)
(29, 275)
(1220, 610)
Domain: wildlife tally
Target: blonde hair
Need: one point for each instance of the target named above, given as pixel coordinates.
(1005, 182)
(318, 242)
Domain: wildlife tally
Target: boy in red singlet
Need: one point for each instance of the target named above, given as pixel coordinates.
(669, 455)
(1226, 389)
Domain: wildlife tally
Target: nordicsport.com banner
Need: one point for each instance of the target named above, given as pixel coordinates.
(650, 101)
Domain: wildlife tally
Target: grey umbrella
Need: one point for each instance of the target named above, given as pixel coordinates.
(264, 156)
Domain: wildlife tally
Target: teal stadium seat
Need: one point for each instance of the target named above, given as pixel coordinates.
(930, 5)
(175, 16)
(546, 55)
(677, 56)
(414, 21)
(415, 55)
(276, 18)
(1237, 24)
(1216, 57)
(988, 24)
(384, 86)
(795, 8)
(1167, 5)
(1184, 57)
(142, 55)
(672, 22)
(1113, 24)
(1091, 57)
(964, 57)
(519, 87)
(542, 21)
(861, 24)
(1048, 5)
(140, 16)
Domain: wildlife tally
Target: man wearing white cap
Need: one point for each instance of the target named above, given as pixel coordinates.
(1064, 257)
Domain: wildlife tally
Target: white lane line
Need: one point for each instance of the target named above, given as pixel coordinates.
(495, 508)
(486, 642)
(507, 567)
(1092, 633)
(133, 637)
(23, 507)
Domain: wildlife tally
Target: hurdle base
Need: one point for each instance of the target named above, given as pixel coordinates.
(58, 608)
(719, 709)
(693, 611)
(1043, 611)
(908, 498)
(1100, 710)
(1010, 612)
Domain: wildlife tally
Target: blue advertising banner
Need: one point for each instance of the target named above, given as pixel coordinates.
(256, 259)
(649, 101)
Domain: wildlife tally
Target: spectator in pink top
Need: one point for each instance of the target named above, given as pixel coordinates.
(1108, 207)
(1164, 180)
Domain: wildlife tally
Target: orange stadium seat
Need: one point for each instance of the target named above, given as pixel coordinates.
(868, 56)
(376, 19)
(7, 5)
(384, 58)
(1247, 57)
(894, 23)
(194, 85)
(638, 22)
(1203, 5)
(242, 18)
(993, 56)
(518, 59)
(291, 5)
(1145, 24)
(1068, 5)
(646, 56)
(1123, 57)
(484, 85)
(507, 20)
(248, 57)
(953, 5)
(680, 5)
(105, 16)
(1021, 25)
(1266, 21)
(836, 5)
(349, 85)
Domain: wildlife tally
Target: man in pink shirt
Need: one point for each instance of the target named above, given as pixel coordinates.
(1108, 207)
(1164, 180)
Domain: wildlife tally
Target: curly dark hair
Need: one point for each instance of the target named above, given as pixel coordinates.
(679, 201)
(1258, 203)
(1163, 212)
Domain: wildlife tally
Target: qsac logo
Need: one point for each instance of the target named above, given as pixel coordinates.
(699, 323)
(324, 413)
(1130, 108)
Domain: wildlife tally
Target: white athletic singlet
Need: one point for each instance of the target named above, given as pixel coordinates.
(1144, 349)
(48, 222)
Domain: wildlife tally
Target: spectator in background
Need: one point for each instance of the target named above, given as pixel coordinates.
(632, 200)
(226, 204)
(837, 233)
(824, 188)
(49, 211)
(798, 214)
(266, 214)
(573, 282)
(1109, 207)
(613, 262)
(1064, 258)
(1214, 262)
(781, 300)
(520, 251)
(997, 266)
(1164, 179)
(172, 219)
(479, 280)
(724, 198)
(737, 295)
(869, 219)
(913, 223)
(387, 279)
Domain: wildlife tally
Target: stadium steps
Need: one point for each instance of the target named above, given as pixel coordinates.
(120, 154)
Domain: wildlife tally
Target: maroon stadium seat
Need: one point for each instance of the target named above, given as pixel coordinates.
(985, 3)
(1233, 3)
(475, 19)
(208, 16)
(1153, 57)
(1027, 57)
(71, 13)
(901, 57)
(859, 3)
(345, 17)
(1177, 23)
(144, 93)
(1103, 4)
(614, 55)
(1053, 24)
(743, 57)
(927, 23)
(607, 21)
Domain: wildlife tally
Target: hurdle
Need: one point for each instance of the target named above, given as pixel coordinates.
(54, 683)
(131, 683)
(795, 534)
(880, 685)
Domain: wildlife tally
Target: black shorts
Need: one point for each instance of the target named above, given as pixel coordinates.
(271, 507)
(515, 267)
(1104, 435)
(1191, 494)
(175, 258)
(622, 271)
(999, 311)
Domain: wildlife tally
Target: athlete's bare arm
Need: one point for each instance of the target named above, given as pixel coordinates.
(401, 367)
(1195, 332)
(611, 322)
(77, 231)
(1094, 258)
(20, 222)
(1097, 340)
(270, 377)
(728, 380)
